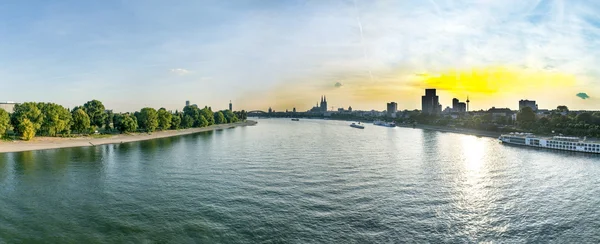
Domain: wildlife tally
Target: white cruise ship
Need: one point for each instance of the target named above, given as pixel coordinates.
(574, 144)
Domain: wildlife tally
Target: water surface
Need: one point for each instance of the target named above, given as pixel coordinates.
(312, 181)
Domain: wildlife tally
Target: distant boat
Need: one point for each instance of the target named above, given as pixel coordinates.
(295, 119)
(383, 123)
(358, 126)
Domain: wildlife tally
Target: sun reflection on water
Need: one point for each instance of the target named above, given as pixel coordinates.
(473, 152)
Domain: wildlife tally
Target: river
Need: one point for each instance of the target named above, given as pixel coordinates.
(312, 181)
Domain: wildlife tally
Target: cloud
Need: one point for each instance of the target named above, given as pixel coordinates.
(583, 95)
(180, 71)
(338, 85)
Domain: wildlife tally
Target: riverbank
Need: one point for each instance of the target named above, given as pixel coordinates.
(472, 132)
(43, 143)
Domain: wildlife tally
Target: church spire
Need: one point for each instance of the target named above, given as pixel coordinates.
(324, 98)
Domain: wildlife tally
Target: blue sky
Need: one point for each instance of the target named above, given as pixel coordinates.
(132, 54)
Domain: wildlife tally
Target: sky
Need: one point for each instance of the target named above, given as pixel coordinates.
(282, 54)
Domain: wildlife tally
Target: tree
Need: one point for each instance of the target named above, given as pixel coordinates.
(230, 116)
(175, 122)
(29, 111)
(208, 115)
(526, 116)
(27, 129)
(164, 119)
(128, 124)
(187, 122)
(4, 122)
(109, 122)
(96, 111)
(220, 118)
(585, 117)
(194, 113)
(202, 122)
(562, 108)
(57, 119)
(81, 121)
(148, 119)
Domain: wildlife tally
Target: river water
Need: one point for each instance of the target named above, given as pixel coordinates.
(312, 181)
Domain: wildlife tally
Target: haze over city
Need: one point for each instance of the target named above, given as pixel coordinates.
(284, 54)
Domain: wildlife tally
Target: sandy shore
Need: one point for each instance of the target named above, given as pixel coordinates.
(42, 143)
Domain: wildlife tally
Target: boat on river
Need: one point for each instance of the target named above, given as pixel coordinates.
(383, 123)
(294, 119)
(357, 125)
(564, 143)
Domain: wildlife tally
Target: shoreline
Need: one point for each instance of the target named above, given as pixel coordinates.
(45, 143)
(471, 132)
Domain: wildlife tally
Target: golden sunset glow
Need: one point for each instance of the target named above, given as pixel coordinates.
(494, 80)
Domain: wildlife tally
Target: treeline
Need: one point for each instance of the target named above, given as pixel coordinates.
(558, 121)
(49, 119)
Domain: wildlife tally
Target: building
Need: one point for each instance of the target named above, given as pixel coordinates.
(430, 103)
(528, 103)
(350, 109)
(230, 106)
(270, 110)
(187, 103)
(8, 106)
(294, 110)
(500, 112)
(458, 107)
(320, 107)
(392, 108)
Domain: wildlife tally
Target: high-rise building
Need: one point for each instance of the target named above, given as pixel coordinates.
(392, 107)
(230, 106)
(270, 110)
(528, 103)
(430, 102)
(458, 106)
(187, 103)
(294, 110)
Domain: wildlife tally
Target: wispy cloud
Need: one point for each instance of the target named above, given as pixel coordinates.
(180, 71)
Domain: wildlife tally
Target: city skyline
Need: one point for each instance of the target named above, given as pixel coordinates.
(283, 54)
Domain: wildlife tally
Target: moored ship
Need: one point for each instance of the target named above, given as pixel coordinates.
(358, 126)
(565, 143)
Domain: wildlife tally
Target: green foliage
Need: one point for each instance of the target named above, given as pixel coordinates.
(96, 111)
(57, 119)
(208, 115)
(192, 112)
(202, 122)
(187, 122)
(27, 129)
(127, 124)
(148, 119)
(109, 122)
(585, 118)
(4, 122)
(29, 111)
(562, 108)
(175, 122)
(81, 121)
(164, 119)
(230, 116)
(526, 117)
(220, 118)
(241, 115)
